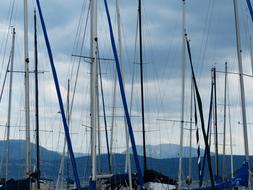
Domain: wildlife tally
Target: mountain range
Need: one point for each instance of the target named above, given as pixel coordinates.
(163, 151)
(50, 161)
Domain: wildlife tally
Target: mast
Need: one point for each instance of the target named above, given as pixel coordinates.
(182, 96)
(59, 182)
(36, 103)
(128, 162)
(113, 116)
(231, 142)
(93, 83)
(27, 106)
(224, 130)
(190, 152)
(61, 170)
(9, 105)
(239, 56)
(142, 93)
(215, 123)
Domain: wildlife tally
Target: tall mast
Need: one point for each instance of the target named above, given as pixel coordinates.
(231, 142)
(183, 96)
(36, 103)
(215, 123)
(27, 107)
(93, 83)
(142, 93)
(239, 56)
(59, 182)
(190, 152)
(128, 163)
(9, 104)
(224, 127)
(113, 115)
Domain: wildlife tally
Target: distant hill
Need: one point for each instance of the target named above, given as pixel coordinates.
(50, 162)
(18, 151)
(164, 151)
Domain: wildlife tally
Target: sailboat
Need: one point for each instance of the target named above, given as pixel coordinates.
(243, 177)
(11, 183)
(240, 180)
(32, 180)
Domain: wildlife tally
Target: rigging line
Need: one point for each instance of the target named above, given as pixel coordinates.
(78, 67)
(79, 63)
(5, 76)
(79, 26)
(205, 38)
(78, 31)
(7, 36)
(127, 162)
(124, 101)
(89, 57)
(133, 67)
(235, 73)
(103, 103)
(174, 120)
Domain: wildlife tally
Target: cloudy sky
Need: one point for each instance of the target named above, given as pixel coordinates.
(210, 28)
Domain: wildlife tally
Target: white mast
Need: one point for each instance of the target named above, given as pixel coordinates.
(93, 85)
(182, 98)
(113, 114)
(61, 170)
(128, 164)
(27, 107)
(9, 104)
(231, 142)
(239, 56)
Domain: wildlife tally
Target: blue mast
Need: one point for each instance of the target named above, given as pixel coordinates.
(56, 82)
(123, 97)
(250, 9)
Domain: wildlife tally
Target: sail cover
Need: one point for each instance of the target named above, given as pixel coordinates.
(241, 180)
